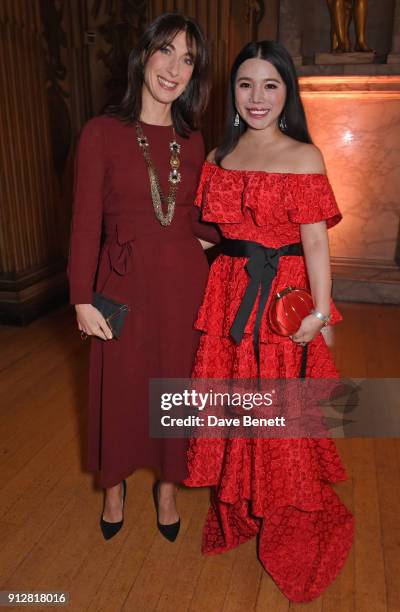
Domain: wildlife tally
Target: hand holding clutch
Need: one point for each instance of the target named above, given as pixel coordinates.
(287, 310)
(289, 315)
(113, 312)
(103, 318)
(91, 322)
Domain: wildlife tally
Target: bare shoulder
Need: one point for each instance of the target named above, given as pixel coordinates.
(309, 159)
(211, 156)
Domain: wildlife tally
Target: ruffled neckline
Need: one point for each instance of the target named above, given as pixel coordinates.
(260, 172)
(271, 198)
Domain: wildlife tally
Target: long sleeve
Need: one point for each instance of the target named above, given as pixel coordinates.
(201, 229)
(90, 168)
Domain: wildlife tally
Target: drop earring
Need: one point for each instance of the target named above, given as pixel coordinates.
(282, 123)
(237, 120)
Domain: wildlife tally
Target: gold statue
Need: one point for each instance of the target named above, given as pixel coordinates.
(342, 12)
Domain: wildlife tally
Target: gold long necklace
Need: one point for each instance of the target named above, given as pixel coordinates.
(174, 178)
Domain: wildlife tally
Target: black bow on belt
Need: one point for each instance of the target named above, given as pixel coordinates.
(262, 266)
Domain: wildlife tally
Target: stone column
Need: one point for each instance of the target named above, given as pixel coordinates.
(394, 55)
(290, 29)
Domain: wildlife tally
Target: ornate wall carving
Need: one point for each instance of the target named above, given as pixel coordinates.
(29, 249)
(116, 26)
(55, 39)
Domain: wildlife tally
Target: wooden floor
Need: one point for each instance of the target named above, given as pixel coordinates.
(50, 539)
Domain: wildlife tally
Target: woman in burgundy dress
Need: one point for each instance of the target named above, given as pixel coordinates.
(150, 258)
(266, 188)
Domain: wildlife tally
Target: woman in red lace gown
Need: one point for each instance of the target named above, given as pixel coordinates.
(266, 184)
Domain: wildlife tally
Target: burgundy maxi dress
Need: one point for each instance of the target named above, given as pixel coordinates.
(119, 248)
(277, 489)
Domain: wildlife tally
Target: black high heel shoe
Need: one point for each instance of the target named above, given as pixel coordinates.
(168, 531)
(109, 530)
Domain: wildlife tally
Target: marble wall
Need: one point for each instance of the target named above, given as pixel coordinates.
(356, 123)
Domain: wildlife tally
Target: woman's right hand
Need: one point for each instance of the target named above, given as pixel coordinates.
(91, 321)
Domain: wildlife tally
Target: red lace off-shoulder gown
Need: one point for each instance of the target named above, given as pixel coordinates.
(276, 488)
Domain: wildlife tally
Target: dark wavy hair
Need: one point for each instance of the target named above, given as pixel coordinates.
(189, 107)
(293, 110)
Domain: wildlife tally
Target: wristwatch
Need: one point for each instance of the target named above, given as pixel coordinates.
(320, 315)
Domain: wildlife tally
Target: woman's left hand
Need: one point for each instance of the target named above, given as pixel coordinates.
(309, 328)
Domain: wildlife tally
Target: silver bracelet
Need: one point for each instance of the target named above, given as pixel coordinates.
(320, 315)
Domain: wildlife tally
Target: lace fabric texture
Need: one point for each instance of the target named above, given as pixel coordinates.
(276, 489)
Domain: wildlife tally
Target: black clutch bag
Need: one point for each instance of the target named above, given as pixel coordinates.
(113, 312)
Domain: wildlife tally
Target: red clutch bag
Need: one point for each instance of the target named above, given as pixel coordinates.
(287, 310)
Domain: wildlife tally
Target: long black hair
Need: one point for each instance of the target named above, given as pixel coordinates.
(293, 110)
(188, 108)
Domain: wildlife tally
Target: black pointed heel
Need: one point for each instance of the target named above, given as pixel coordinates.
(171, 531)
(109, 530)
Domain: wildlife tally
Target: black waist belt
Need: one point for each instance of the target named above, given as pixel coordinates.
(262, 266)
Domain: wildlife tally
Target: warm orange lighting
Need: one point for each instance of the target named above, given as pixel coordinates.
(355, 123)
(348, 136)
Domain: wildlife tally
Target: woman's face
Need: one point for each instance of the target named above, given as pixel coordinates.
(260, 93)
(168, 70)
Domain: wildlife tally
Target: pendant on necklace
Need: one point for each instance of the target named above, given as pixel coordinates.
(174, 176)
(175, 147)
(143, 142)
(174, 162)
